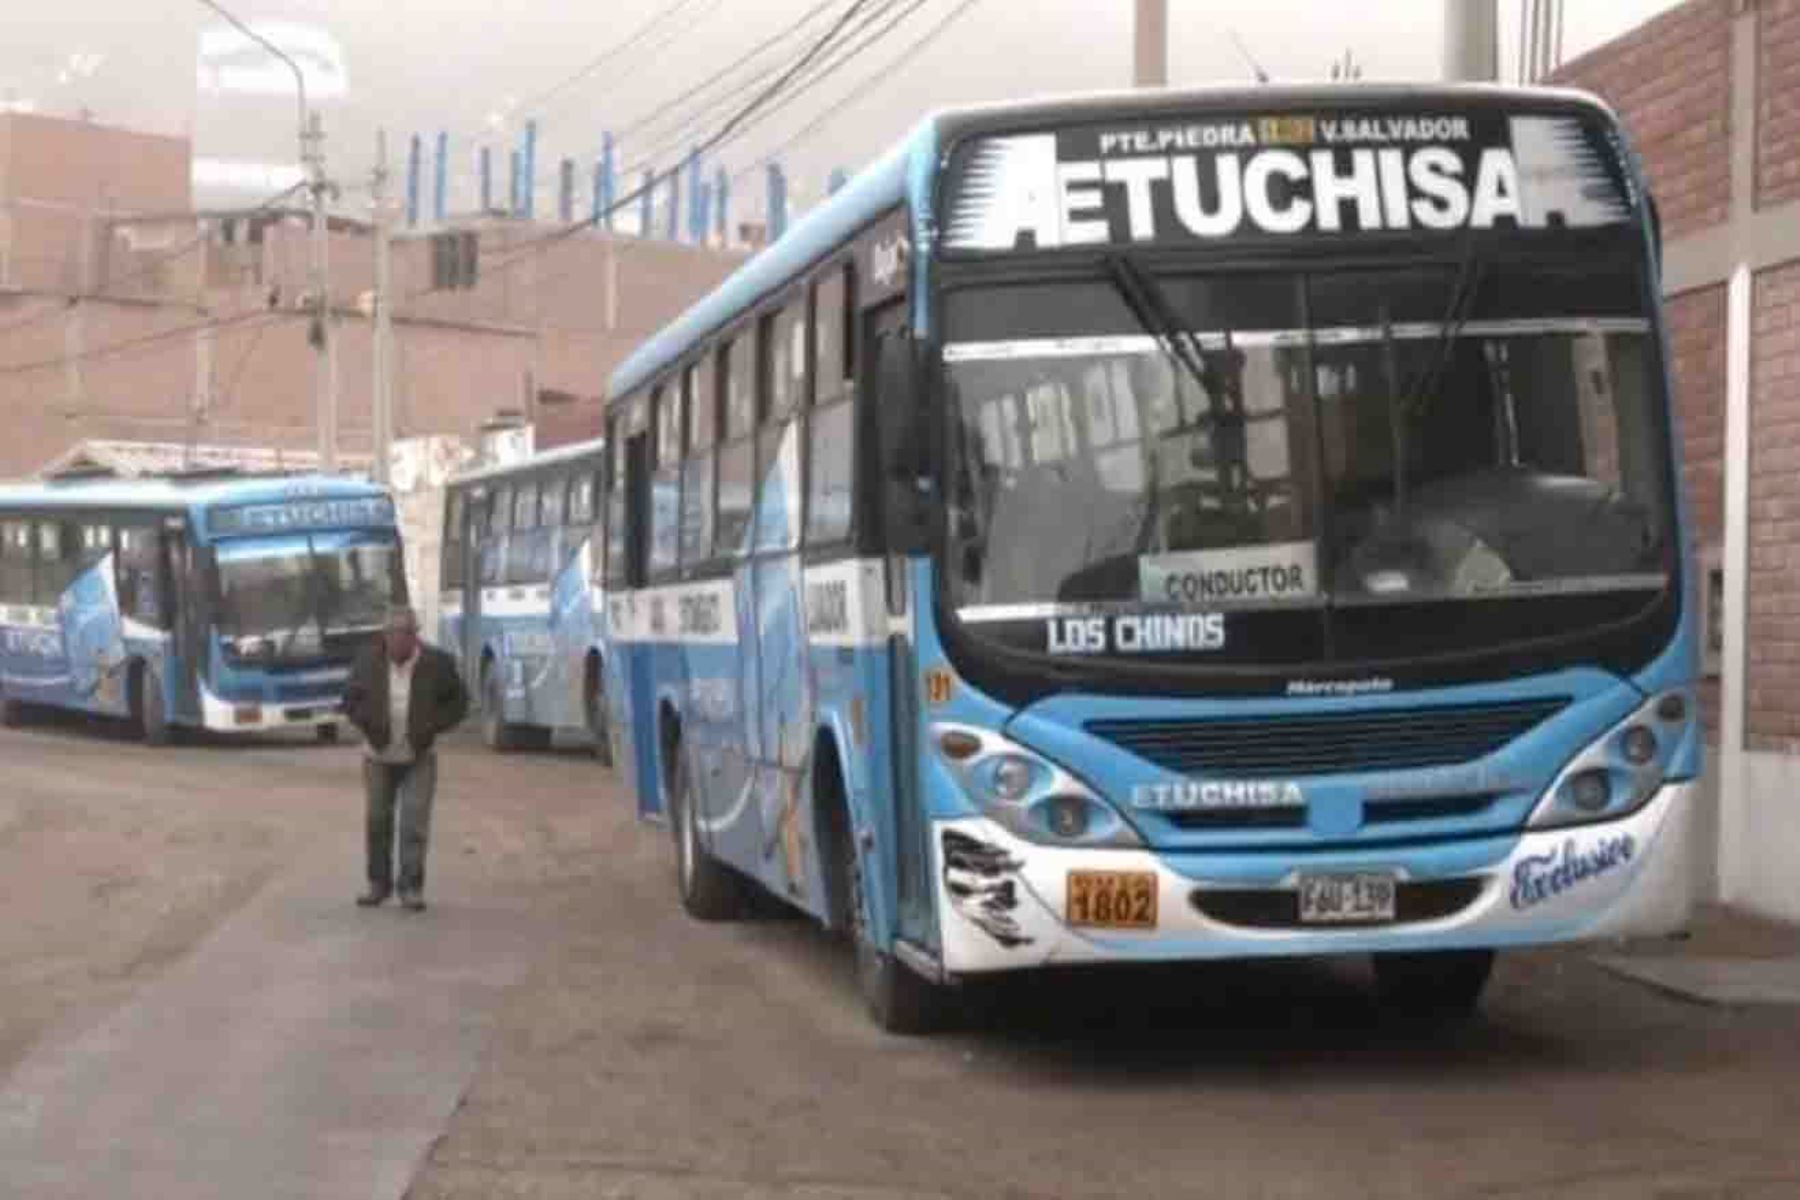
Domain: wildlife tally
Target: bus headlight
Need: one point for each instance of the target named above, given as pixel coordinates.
(1026, 793)
(1620, 770)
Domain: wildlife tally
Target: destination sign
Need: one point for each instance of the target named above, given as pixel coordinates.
(1313, 173)
(292, 516)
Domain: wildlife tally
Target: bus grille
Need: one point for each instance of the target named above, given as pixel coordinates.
(1396, 739)
(1279, 908)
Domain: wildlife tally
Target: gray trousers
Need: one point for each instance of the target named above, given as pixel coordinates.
(408, 787)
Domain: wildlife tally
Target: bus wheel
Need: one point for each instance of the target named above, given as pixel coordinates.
(496, 731)
(899, 1000)
(328, 734)
(12, 713)
(710, 891)
(1443, 984)
(148, 712)
(593, 705)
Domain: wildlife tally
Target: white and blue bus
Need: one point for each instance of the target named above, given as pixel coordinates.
(206, 602)
(519, 598)
(1176, 526)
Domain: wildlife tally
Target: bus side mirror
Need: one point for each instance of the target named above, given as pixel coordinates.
(904, 445)
(1656, 235)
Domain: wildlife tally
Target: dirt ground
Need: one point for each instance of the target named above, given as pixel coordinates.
(645, 1055)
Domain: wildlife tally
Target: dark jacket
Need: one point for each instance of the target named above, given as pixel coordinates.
(439, 701)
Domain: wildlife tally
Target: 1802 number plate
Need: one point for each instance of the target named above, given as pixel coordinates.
(1111, 899)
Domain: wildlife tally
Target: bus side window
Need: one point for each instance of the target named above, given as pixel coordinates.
(523, 557)
(140, 590)
(451, 561)
(737, 458)
(58, 560)
(700, 385)
(665, 482)
(830, 486)
(612, 492)
(784, 380)
(493, 545)
(15, 563)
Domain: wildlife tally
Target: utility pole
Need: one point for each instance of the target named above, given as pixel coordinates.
(1150, 57)
(319, 285)
(1471, 41)
(381, 340)
(312, 159)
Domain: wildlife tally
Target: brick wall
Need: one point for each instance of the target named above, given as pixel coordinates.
(1774, 629)
(1697, 346)
(1679, 119)
(1777, 102)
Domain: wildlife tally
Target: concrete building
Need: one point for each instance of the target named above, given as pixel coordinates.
(126, 315)
(1711, 93)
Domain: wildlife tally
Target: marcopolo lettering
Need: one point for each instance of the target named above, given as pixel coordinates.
(1187, 795)
(1541, 877)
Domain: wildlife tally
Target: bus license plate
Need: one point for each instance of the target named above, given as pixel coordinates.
(1339, 899)
(1112, 899)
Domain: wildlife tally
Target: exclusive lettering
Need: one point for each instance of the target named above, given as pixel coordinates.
(1541, 877)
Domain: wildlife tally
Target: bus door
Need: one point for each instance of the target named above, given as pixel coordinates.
(783, 697)
(638, 658)
(890, 381)
(473, 534)
(187, 646)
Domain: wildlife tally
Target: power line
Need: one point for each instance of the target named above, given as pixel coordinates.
(652, 119)
(844, 54)
(666, 13)
(62, 303)
(836, 109)
(737, 121)
(847, 54)
(128, 346)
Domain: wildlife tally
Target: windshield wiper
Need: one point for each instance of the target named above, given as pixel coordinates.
(1151, 308)
(1144, 297)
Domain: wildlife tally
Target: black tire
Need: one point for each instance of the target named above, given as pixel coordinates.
(497, 733)
(898, 999)
(12, 713)
(328, 735)
(149, 715)
(710, 890)
(593, 708)
(1434, 985)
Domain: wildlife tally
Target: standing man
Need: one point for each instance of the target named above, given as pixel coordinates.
(402, 695)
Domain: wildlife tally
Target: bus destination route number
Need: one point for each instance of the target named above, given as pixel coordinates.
(1111, 899)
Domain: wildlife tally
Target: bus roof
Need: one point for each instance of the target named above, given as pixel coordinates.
(174, 493)
(546, 458)
(868, 195)
(904, 173)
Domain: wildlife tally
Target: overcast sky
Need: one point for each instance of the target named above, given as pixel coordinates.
(471, 66)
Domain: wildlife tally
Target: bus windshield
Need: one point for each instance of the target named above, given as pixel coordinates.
(287, 593)
(1298, 438)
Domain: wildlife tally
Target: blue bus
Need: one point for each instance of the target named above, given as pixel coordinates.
(1175, 526)
(203, 601)
(519, 599)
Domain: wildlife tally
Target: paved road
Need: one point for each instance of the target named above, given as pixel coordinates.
(587, 1041)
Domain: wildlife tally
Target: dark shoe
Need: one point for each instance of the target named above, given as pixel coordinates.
(372, 898)
(412, 901)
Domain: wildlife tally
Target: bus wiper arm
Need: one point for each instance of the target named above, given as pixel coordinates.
(1144, 297)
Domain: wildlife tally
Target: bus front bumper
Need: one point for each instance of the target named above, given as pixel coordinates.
(251, 716)
(1002, 901)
